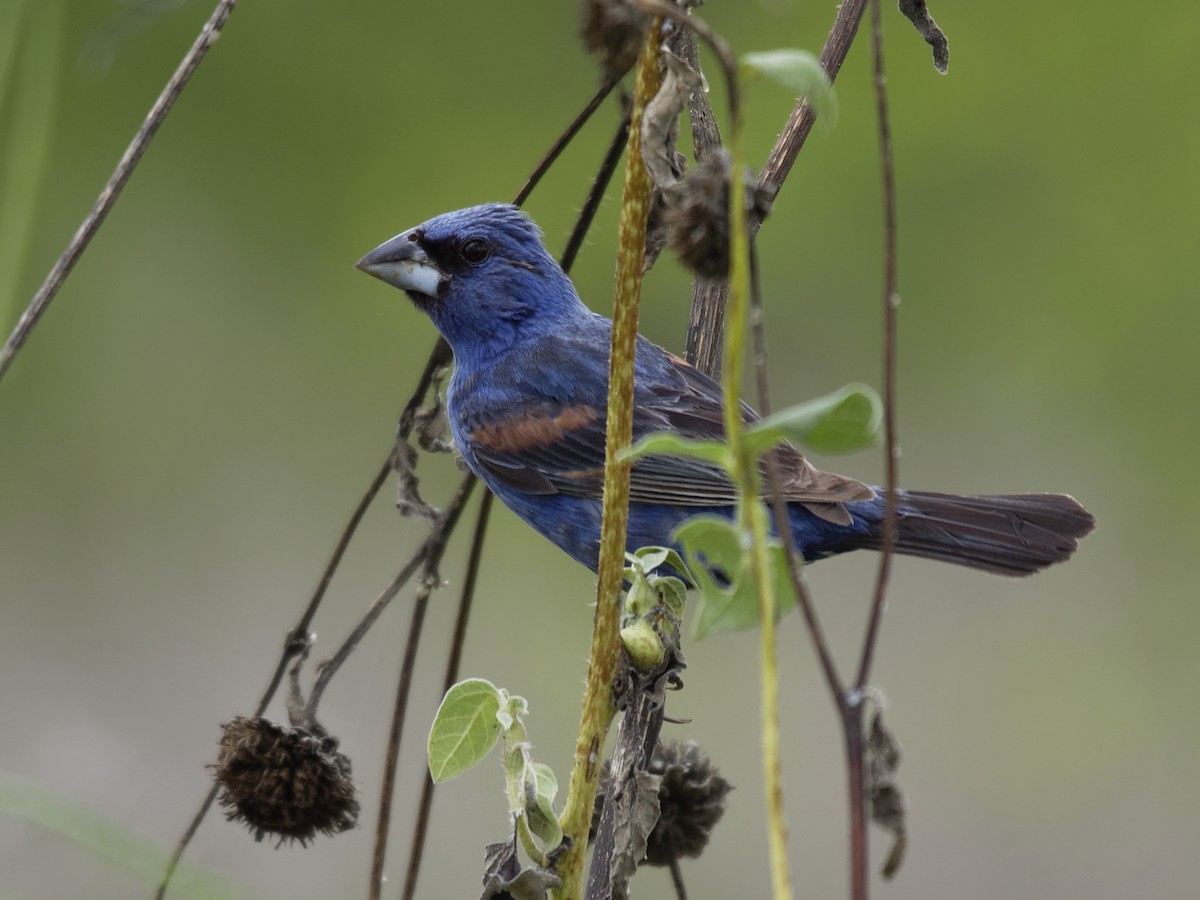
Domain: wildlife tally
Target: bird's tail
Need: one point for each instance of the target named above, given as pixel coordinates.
(1010, 534)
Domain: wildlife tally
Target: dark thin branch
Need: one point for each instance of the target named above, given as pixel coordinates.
(429, 581)
(596, 194)
(677, 880)
(891, 300)
(567, 136)
(453, 661)
(429, 554)
(112, 190)
(774, 484)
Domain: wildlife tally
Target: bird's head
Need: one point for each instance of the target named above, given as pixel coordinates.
(482, 275)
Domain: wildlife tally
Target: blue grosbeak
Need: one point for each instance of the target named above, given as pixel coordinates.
(527, 405)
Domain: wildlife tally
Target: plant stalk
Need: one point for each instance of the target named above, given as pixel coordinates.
(598, 708)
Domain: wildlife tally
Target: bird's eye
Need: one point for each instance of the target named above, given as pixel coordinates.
(476, 250)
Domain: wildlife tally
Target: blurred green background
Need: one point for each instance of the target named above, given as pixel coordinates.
(187, 431)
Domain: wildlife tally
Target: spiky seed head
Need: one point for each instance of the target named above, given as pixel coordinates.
(692, 801)
(286, 783)
(613, 30)
(698, 216)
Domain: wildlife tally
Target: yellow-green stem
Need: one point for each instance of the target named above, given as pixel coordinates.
(606, 641)
(752, 516)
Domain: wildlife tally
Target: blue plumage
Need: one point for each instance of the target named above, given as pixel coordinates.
(527, 409)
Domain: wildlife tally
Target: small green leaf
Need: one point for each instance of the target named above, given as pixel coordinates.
(715, 544)
(465, 728)
(673, 592)
(667, 443)
(542, 787)
(31, 48)
(652, 558)
(841, 422)
(801, 73)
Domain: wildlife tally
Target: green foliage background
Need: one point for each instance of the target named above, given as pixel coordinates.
(185, 434)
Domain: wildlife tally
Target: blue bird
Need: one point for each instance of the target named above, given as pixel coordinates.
(527, 403)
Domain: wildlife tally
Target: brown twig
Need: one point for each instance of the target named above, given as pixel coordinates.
(707, 317)
(112, 190)
(582, 224)
(453, 660)
(891, 300)
(590, 206)
(565, 138)
(430, 580)
(427, 555)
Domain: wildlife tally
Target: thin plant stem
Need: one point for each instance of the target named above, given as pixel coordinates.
(592, 204)
(116, 182)
(891, 300)
(453, 661)
(677, 880)
(436, 544)
(429, 554)
(606, 643)
(752, 516)
(565, 138)
(774, 485)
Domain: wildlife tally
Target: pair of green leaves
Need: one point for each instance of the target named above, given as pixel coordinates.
(840, 422)
(472, 718)
(843, 421)
(31, 44)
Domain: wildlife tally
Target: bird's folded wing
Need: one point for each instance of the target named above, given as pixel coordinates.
(560, 450)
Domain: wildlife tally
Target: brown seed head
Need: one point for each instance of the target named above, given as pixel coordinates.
(613, 30)
(284, 782)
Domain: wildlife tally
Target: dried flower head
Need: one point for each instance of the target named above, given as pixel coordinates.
(698, 216)
(285, 782)
(691, 798)
(613, 29)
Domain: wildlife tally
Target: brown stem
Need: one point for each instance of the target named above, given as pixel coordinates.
(429, 554)
(890, 301)
(606, 643)
(435, 546)
(851, 714)
(565, 138)
(453, 660)
(112, 190)
(595, 195)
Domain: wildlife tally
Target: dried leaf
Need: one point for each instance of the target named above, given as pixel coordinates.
(504, 879)
(888, 805)
(918, 13)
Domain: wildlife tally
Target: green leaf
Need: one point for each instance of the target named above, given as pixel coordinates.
(465, 728)
(801, 73)
(713, 543)
(673, 592)
(667, 443)
(31, 43)
(541, 791)
(27, 801)
(841, 422)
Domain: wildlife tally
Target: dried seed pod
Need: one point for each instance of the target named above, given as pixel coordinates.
(698, 216)
(692, 801)
(613, 29)
(284, 782)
